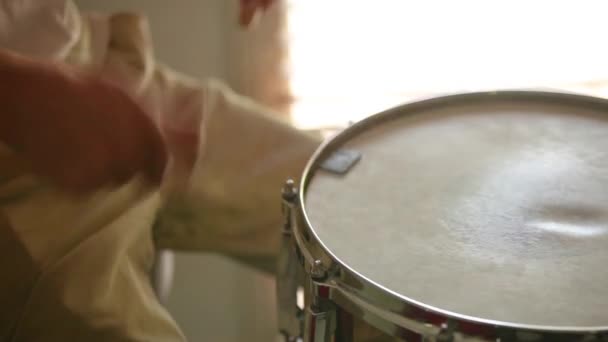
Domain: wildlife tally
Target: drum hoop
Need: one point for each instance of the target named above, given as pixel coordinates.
(374, 292)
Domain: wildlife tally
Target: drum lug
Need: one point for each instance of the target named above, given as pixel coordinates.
(318, 271)
(289, 315)
(289, 195)
(320, 320)
(445, 334)
(320, 323)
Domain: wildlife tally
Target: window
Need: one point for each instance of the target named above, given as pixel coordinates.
(349, 59)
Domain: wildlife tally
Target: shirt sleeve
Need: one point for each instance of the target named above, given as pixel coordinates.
(83, 263)
(40, 29)
(229, 155)
(221, 193)
(98, 289)
(231, 202)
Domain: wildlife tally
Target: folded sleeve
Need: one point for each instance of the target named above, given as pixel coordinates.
(231, 201)
(228, 155)
(96, 288)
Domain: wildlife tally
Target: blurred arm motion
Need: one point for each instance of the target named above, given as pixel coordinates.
(91, 112)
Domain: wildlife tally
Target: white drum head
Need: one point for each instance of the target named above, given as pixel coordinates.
(496, 210)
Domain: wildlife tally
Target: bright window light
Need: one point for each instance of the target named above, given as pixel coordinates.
(353, 58)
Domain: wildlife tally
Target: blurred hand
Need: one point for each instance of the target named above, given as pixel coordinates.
(249, 8)
(77, 130)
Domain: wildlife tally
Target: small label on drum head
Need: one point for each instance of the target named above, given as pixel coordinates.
(341, 161)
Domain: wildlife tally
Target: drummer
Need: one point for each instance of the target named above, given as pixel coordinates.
(99, 144)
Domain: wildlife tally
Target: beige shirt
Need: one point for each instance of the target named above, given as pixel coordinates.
(76, 268)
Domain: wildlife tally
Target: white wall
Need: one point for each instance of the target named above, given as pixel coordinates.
(213, 299)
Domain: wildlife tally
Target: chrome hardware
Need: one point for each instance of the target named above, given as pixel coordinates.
(320, 324)
(290, 316)
(317, 271)
(320, 317)
(446, 333)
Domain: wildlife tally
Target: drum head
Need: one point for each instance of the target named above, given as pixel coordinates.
(489, 207)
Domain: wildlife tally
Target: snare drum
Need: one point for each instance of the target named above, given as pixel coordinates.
(472, 217)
